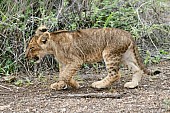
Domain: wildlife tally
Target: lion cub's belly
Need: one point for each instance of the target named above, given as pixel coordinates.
(93, 57)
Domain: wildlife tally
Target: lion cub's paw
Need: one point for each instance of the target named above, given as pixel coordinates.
(74, 84)
(59, 85)
(131, 84)
(99, 85)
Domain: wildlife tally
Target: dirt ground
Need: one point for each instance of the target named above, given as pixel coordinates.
(151, 96)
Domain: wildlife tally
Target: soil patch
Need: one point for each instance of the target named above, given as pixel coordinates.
(152, 95)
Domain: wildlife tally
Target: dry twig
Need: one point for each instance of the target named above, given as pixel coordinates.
(89, 95)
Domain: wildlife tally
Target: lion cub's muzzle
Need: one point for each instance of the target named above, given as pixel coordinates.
(35, 58)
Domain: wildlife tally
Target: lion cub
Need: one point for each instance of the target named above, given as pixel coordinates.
(72, 49)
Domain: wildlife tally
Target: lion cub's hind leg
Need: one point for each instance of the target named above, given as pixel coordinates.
(129, 59)
(112, 62)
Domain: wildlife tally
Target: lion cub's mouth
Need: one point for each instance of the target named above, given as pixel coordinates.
(36, 59)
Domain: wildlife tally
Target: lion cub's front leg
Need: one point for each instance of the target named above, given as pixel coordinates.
(58, 85)
(66, 77)
(63, 85)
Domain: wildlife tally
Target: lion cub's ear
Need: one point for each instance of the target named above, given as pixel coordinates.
(41, 30)
(44, 37)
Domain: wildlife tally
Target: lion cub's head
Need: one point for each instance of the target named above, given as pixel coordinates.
(38, 45)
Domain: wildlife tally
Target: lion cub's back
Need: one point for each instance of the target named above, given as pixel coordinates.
(91, 42)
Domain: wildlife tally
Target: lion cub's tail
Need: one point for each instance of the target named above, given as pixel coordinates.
(141, 65)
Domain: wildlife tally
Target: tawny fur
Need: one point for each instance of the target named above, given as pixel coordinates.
(72, 49)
